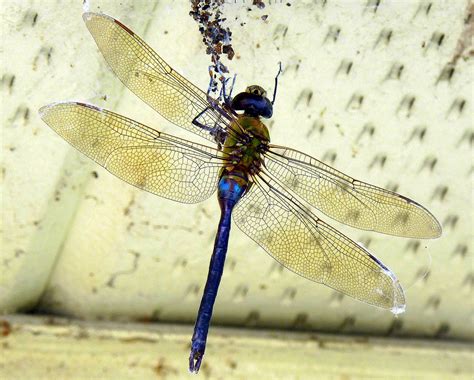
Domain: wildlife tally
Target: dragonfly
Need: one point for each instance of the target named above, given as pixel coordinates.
(269, 191)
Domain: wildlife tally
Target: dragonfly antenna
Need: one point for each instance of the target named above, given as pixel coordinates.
(231, 88)
(276, 83)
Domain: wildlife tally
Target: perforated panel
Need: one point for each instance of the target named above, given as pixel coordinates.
(379, 89)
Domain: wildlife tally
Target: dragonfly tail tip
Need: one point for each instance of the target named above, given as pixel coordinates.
(195, 359)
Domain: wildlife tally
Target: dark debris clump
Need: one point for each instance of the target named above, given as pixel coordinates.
(216, 37)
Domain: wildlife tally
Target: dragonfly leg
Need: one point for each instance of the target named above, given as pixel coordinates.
(217, 132)
(227, 99)
(224, 113)
(222, 91)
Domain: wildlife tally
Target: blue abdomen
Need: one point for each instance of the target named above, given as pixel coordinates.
(232, 187)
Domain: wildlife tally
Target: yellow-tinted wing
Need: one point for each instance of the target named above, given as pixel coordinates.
(144, 72)
(156, 162)
(347, 200)
(301, 242)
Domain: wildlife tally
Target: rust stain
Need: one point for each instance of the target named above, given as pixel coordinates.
(5, 327)
(162, 369)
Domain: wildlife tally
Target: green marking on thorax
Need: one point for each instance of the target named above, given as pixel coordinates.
(259, 133)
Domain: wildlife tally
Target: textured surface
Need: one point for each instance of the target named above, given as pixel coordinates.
(56, 348)
(381, 91)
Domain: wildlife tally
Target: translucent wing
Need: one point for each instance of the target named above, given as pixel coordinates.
(301, 242)
(347, 200)
(144, 72)
(159, 163)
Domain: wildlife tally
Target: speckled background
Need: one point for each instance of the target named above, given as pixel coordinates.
(380, 90)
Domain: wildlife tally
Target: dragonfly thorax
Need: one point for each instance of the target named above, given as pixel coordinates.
(253, 102)
(246, 153)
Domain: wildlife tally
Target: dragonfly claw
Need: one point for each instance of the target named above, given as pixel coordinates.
(195, 357)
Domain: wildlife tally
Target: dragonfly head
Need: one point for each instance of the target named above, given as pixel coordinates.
(253, 102)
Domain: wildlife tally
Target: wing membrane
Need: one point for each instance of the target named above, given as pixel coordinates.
(146, 74)
(156, 162)
(309, 247)
(347, 200)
